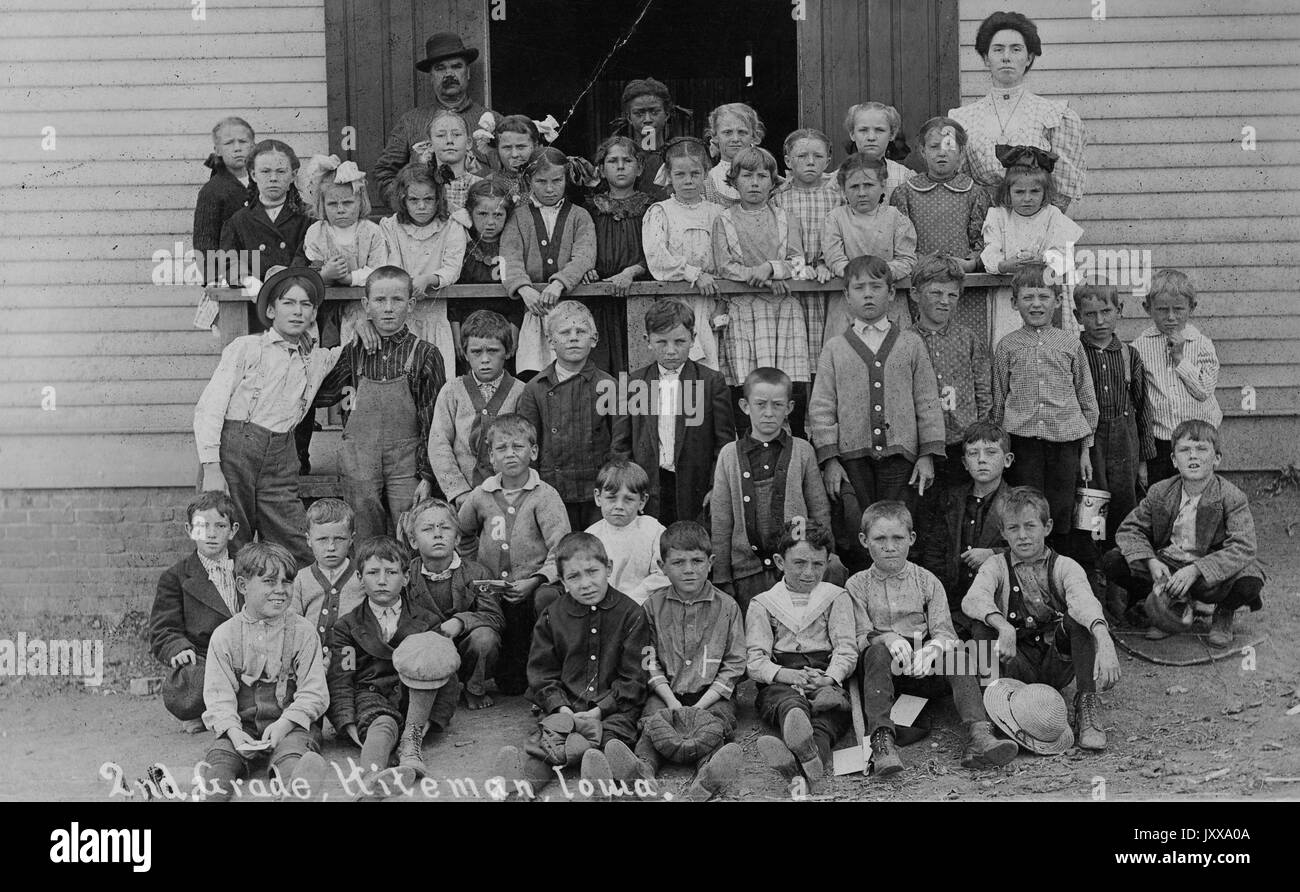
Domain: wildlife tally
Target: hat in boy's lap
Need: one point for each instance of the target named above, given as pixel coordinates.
(1033, 715)
(182, 691)
(685, 734)
(1167, 613)
(278, 279)
(426, 661)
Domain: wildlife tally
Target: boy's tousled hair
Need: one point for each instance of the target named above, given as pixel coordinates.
(489, 325)
(1095, 291)
(412, 518)
(1035, 274)
(856, 162)
(1195, 429)
(211, 500)
(510, 424)
(384, 548)
(938, 123)
(1170, 281)
(799, 530)
(569, 309)
(668, 313)
(424, 174)
(623, 474)
(937, 268)
(259, 558)
(806, 133)
(868, 266)
(752, 158)
(886, 509)
(768, 375)
(579, 545)
(685, 535)
(1002, 197)
(1019, 499)
(985, 432)
(390, 273)
(324, 511)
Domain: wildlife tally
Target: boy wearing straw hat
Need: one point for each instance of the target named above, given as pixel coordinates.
(1039, 608)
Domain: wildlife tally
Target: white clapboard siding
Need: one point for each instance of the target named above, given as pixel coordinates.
(131, 89)
(1166, 88)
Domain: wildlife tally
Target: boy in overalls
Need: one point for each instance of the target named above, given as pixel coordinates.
(264, 685)
(390, 395)
(1039, 608)
(244, 421)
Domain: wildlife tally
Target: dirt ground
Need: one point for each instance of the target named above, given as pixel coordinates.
(1215, 731)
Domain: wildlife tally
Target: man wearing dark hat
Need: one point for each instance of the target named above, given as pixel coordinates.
(446, 60)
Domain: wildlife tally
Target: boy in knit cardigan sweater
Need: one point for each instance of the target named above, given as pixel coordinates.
(867, 456)
(467, 406)
(761, 481)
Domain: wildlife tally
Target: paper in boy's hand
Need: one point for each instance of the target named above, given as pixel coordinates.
(206, 314)
(906, 708)
(255, 746)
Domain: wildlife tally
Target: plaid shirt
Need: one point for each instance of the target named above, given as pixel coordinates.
(1030, 120)
(963, 372)
(573, 434)
(1121, 390)
(1178, 393)
(1042, 387)
(810, 207)
(685, 633)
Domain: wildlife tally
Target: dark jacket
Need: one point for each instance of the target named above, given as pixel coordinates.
(582, 657)
(1225, 528)
(943, 558)
(575, 427)
(695, 446)
(187, 610)
(362, 681)
(474, 610)
(411, 128)
(278, 243)
(219, 199)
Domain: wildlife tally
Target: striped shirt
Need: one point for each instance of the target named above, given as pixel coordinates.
(963, 372)
(1042, 387)
(1121, 388)
(1183, 392)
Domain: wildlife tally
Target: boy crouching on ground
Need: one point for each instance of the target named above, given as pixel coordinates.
(264, 683)
(903, 631)
(1040, 609)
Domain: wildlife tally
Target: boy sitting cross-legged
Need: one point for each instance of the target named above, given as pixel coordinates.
(442, 582)
(1040, 609)
(906, 641)
(1194, 535)
(585, 673)
(264, 682)
(690, 713)
(371, 698)
(802, 646)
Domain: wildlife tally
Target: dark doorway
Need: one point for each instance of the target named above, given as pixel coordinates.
(546, 52)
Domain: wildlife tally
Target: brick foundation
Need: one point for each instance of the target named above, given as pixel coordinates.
(88, 552)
